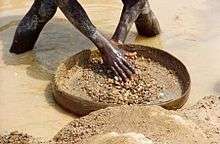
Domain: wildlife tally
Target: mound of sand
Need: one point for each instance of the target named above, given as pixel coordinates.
(156, 123)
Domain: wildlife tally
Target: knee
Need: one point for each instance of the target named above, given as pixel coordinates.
(142, 3)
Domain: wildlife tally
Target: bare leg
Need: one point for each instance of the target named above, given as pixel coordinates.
(31, 25)
(147, 23)
(110, 54)
(131, 10)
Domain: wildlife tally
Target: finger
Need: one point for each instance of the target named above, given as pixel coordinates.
(120, 72)
(125, 69)
(117, 76)
(114, 71)
(130, 54)
(129, 65)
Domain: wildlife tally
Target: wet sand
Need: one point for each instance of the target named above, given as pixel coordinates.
(190, 31)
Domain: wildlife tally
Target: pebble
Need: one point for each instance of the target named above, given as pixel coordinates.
(116, 78)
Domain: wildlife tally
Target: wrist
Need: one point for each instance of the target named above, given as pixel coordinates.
(102, 43)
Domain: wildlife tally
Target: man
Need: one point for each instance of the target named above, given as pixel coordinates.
(134, 11)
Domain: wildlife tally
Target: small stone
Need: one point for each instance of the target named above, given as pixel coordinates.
(149, 85)
(120, 97)
(116, 78)
(117, 83)
(110, 80)
(207, 118)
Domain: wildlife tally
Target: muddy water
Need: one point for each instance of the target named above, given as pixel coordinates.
(191, 31)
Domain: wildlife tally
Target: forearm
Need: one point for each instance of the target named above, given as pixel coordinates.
(78, 17)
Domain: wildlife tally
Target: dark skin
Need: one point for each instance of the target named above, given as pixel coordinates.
(134, 11)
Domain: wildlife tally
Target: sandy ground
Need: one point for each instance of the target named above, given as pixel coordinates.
(191, 31)
(198, 124)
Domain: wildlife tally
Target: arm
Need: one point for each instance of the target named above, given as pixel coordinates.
(110, 54)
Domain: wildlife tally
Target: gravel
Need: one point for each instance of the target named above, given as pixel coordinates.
(18, 138)
(148, 86)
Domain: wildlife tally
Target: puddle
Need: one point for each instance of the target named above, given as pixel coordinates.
(190, 31)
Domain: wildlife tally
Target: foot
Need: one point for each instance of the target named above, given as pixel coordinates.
(21, 45)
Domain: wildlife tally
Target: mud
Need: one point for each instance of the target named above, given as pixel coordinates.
(150, 85)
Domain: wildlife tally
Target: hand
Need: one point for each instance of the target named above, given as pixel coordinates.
(115, 59)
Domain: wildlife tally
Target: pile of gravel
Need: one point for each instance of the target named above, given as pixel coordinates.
(150, 84)
(18, 138)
